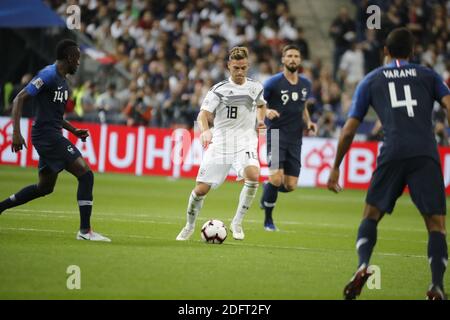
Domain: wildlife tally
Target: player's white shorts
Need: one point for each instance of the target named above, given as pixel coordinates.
(216, 164)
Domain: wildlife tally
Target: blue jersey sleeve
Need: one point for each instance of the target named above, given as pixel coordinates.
(268, 87)
(360, 101)
(309, 96)
(440, 87)
(39, 82)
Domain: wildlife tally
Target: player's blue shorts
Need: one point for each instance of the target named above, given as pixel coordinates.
(289, 158)
(422, 175)
(55, 152)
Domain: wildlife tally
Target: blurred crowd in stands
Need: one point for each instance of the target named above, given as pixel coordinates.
(176, 50)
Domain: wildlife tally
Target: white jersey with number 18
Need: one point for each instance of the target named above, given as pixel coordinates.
(234, 108)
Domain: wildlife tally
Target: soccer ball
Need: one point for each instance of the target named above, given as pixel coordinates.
(214, 231)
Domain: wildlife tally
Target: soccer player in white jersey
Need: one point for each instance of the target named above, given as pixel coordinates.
(238, 107)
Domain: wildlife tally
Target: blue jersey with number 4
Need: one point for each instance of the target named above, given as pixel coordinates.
(50, 92)
(402, 94)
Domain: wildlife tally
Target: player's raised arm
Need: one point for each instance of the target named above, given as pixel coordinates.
(206, 135)
(18, 141)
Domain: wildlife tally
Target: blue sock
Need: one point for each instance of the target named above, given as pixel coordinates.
(269, 199)
(437, 256)
(367, 238)
(85, 200)
(23, 196)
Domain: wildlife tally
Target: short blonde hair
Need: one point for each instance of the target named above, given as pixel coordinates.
(238, 53)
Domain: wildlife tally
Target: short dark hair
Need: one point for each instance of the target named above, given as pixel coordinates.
(400, 43)
(63, 48)
(290, 47)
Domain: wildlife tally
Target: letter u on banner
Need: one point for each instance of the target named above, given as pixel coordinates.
(127, 160)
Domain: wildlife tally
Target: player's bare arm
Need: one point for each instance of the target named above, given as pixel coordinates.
(205, 135)
(272, 114)
(18, 141)
(446, 104)
(310, 126)
(80, 133)
(261, 114)
(345, 141)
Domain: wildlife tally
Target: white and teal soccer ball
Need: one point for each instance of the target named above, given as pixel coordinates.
(214, 231)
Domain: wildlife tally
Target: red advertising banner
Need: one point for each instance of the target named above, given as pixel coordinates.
(178, 153)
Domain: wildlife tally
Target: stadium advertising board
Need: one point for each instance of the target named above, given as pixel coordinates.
(178, 153)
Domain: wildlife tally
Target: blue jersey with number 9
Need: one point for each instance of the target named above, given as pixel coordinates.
(289, 100)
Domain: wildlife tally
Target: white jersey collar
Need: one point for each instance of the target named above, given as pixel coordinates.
(231, 81)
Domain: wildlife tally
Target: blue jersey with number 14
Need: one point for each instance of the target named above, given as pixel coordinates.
(402, 94)
(50, 93)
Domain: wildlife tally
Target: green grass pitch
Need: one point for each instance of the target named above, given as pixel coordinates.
(312, 257)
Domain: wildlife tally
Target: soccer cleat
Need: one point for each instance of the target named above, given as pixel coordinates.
(93, 236)
(436, 293)
(354, 287)
(270, 227)
(238, 232)
(185, 234)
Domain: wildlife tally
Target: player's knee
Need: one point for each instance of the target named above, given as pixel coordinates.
(276, 180)
(201, 190)
(87, 178)
(289, 187)
(435, 223)
(251, 173)
(254, 176)
(45, 189)
(200, 193)
(372, 212)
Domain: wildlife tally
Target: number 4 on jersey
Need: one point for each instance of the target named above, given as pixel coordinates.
(409, 102)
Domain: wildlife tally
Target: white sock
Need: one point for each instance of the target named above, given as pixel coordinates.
(246, 197)
(194, 206)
